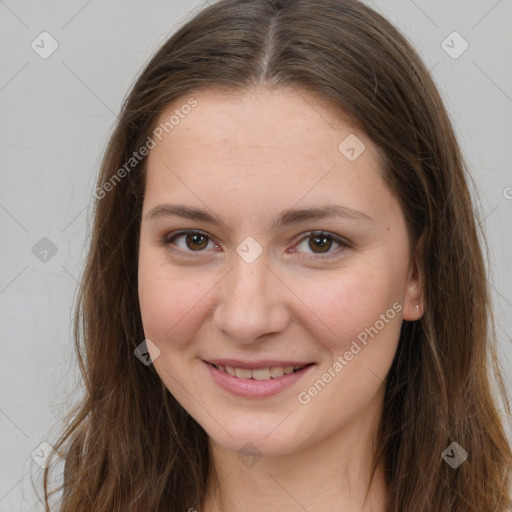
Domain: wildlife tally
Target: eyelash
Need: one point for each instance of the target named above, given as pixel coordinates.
(168, 241)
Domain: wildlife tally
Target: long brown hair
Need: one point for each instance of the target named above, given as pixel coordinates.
(129, 445)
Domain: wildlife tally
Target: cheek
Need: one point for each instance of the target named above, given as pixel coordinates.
(342, 306)
(363, 313)
(169, 302)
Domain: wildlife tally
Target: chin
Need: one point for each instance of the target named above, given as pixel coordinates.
(264, 439)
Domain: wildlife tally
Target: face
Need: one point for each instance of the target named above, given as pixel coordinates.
(274, 269)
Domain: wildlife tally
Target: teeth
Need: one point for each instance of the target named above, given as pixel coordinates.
(260, 373)
(243, 373)
(276, 371)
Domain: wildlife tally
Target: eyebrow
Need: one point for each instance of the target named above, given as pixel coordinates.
(286, 217)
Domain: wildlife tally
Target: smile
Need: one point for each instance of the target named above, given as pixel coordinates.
(272, 372)
(259, 382)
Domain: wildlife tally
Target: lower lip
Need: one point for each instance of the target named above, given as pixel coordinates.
(255, 388)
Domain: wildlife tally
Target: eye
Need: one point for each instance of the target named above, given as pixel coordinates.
(321, 243)
(192, 241)
(188, 242)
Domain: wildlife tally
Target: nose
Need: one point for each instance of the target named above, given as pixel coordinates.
(251, 302)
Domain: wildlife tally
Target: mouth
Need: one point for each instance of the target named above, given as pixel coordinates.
(263, 380)
(264, 373)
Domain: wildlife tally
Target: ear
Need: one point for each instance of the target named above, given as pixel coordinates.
(414, 291)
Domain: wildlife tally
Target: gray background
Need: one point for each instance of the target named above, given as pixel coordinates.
(57, 114)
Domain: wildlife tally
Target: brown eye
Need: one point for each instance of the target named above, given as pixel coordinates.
(321, 242)
(319, 245)
(196, 241)
(188, 242)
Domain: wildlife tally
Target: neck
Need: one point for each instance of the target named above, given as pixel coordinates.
(333, 474)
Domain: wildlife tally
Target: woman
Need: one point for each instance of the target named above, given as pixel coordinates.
(285, 304)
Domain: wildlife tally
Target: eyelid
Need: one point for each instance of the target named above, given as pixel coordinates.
(166, 241)
(341, 241)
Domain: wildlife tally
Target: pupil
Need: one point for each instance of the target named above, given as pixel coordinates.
(196, 239)
(322, 241)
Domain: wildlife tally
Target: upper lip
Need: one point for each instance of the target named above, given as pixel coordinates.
(255, 365)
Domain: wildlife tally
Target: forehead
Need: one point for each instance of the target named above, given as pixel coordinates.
(259, 117)
(272, 146)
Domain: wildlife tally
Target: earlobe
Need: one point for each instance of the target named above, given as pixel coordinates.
(413, 302)
(414, 294)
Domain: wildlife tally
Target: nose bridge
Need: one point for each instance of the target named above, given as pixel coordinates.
(249, 304)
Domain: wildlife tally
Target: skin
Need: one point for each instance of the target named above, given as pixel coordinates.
(245, 158)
